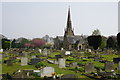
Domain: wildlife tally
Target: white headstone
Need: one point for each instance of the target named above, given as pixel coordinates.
(40, 50)
(61, 62)
(47, 71)
(24, 61)
(45, 52)
(1, 50)
(33, 56)
(67, 53)
(119, 65)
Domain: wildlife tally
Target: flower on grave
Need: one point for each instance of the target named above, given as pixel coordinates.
(53, 73)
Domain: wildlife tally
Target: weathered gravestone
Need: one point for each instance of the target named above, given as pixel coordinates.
(67, 53)
(1, 50)
(116, 60)
(47, 71)
(40, 50)
(89, 67)
(69, 77)
(109, 66)
(119, 65)
(45, 52)
(24, 61)
(33, 56)
(96, 59)
(34, 61)
(74, 64)
(61, 62)
(9, 63)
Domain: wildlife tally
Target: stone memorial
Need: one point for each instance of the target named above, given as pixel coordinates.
(47, 71)
(45, 52)
(34, 61)
(40, 50)
(69, 77)
(96, 59)
(119, 65)
(116, 60)
(89, 67)
(67, 53)
(24, 61)
(9, 63)
(74, 64)
(1, 50)
(61, 62)
(109, 66)
(33, 56)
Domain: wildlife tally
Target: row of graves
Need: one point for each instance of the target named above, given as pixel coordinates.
(63, 61)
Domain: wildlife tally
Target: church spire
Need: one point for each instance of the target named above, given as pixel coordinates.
(69, 30)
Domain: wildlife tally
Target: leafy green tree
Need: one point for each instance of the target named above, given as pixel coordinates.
(118, 40)
(112, 42)
(103, 43)
(13, 44)
(94, 41)
(6, 43)
(96, 32)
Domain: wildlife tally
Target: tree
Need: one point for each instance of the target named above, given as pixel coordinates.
(118, 39)
(38, 42)
(13, 44)
(96, 32)
(112, 42)
(6, 43)
(28, 45)
(94, 41)
(103, 43)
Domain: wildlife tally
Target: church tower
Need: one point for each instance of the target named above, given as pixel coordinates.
(68, 30)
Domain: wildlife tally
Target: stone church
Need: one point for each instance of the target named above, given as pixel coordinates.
(70, 41)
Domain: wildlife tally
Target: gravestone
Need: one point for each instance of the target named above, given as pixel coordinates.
(34, 61)
(47, 71)
(40, 50)
(89, 67)
(96, 59)
(45, 52)
(61, 62)
(116, 60)
(69, 77)
(33, 56)
(119, 65)
(9, 63)
(109, 66)
(1, 50)
(74, 64)
(67, 53)
(24, 61)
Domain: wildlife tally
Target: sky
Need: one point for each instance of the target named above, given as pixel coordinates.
(37, 19)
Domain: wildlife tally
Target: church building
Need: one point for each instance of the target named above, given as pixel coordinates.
(70, 41)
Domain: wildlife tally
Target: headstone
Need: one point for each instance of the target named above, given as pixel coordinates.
(40, 50)
(33, 56)
(47, 71)
(89, 67)
(109, 66)
(1, 50)
(96, 59)
(9, 63)
(67, 53)
(119, 65)
(74, 64)
(24, 61)
(69, 77)
(34, 61)
(116, 60)
(45, 52)
(61, 62)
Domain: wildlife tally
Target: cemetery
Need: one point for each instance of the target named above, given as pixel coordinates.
(79, 64)
(68, 57)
